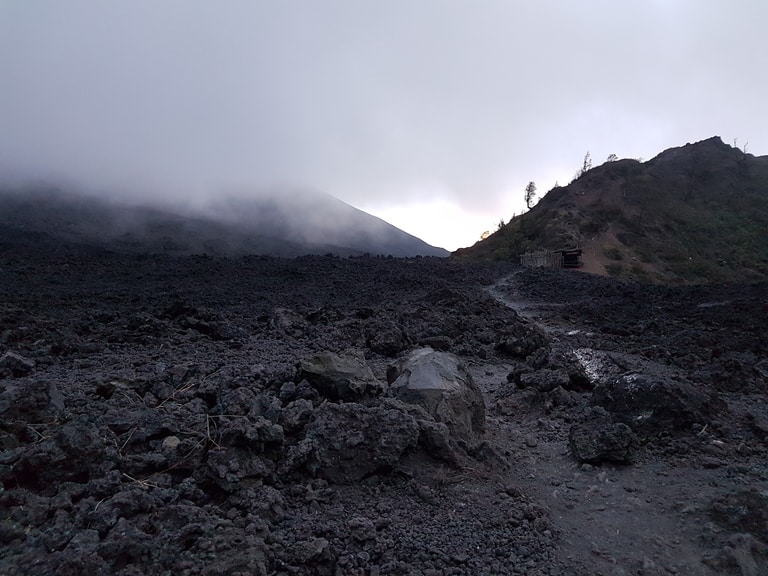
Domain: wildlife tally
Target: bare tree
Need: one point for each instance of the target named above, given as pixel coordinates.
(612, 158)
(530, 194)
(585, 167)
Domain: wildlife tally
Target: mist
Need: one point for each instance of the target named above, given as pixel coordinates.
(432, 114)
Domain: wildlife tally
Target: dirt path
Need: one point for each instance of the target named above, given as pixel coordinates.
(647, 518)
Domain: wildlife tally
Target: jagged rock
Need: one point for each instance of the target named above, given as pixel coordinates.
(296, 415)
(233, 469)
(81, 554)
(515, 375)
(312, 550)
(347, 378)
(524, 340)
(347, 442)
(288, 321)
(30, 402)
(649, 405)
(76, 452)
(600, 439)
(386, 338)
(437, 342)
(290, 391)
(578, 377)
(742, 511)
(125, 504)
(442, 385)
(361, 528)
(435, 438)
(255, 433)
(545, 380)
(15, 365)
(243, 401)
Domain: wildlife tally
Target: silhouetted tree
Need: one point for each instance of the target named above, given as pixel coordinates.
(530, 194)
(611, 158)
(742, 161)
(585, 166)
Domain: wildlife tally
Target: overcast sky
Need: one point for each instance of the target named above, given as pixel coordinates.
(433, 114)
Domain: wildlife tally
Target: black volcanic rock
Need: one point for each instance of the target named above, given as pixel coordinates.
(143, 442)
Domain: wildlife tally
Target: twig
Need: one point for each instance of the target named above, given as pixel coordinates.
(40, 435)
(143, 483)
(130, 434)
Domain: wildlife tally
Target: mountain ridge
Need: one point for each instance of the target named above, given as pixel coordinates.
(277, 224)
(696, 213)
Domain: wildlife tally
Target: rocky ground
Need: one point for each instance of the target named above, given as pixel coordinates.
(368, 416)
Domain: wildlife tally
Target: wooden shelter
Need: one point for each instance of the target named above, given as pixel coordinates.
(553, 258)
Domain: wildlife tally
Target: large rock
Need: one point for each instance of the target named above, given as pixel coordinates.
(522, 340)
(650, 405)
(600, 439)
(442, 385)
(386, 338)
(75, 451)
(236, 468)
(571, 361)
(30, 402)
(545, 380)
(348, 442)
(347, 378)
(742, 510)
(15, 365)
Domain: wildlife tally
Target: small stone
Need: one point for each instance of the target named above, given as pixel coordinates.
(310, 549)
(171, 443)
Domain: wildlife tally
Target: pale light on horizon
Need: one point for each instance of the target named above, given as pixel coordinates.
(437, 222)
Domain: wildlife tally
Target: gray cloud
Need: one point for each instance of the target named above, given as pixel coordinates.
(378, 103)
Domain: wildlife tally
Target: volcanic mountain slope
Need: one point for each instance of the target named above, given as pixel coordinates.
(276, 224)
(697, 213)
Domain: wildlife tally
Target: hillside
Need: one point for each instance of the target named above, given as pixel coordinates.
(285, 225)
(696, 213)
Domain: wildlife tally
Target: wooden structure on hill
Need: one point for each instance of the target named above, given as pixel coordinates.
(552, 259)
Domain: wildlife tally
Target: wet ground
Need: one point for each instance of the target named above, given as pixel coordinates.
(152, 420)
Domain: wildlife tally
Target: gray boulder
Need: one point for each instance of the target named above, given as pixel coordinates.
(441, 384)
(340, 377)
